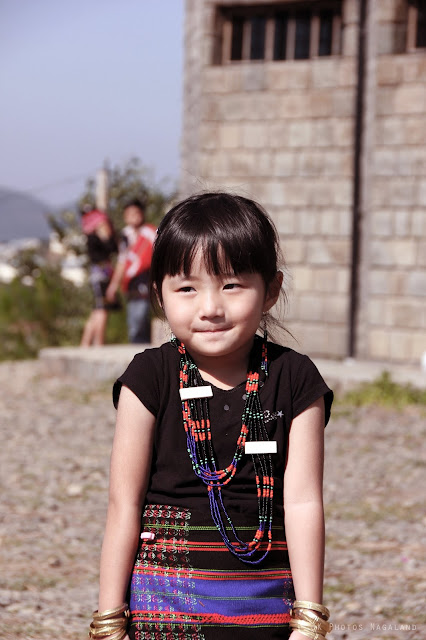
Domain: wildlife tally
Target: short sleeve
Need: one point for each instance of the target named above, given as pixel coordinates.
(141, 377)
(307, 386)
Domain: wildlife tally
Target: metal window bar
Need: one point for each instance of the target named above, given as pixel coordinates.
(269, 38)
(411, 28)
(291, 38)
(314, 41)
(336, 39)
(279, 35)
(227, 41)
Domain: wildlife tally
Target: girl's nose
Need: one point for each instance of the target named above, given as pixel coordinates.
(211, 305)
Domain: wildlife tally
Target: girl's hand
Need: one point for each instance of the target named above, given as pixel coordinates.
(296, 635)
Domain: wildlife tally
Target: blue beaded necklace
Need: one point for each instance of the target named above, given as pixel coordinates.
(196, 421)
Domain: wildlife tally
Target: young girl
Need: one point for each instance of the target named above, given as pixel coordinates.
(215, 520)
(101, 247)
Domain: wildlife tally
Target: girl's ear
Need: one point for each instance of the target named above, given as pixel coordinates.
(273, 291)
(159, 303)
(155, 289)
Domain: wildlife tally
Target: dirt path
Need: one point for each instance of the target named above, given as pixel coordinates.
(54, 454)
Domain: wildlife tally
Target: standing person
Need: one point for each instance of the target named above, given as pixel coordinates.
(101, 247)
(132, 271)
(215, 519)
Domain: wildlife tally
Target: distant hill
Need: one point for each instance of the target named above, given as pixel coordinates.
(22, 216)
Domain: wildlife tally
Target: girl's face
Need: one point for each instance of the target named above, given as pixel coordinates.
(215, 316)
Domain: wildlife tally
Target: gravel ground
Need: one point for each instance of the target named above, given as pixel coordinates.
(56, 436)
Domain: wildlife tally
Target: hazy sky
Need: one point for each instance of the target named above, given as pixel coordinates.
(82, 81)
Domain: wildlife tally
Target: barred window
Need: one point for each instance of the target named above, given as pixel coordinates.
(283, 31)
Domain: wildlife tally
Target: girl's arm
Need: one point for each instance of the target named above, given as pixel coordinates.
(303, 502)
(116, 279)
(129, 473)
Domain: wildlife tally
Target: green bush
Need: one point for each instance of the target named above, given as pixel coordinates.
(386, 393)
(46, 311)
(116, 331)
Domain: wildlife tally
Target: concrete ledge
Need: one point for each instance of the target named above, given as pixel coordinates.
(346, 374)
(108, 362)
(89, 363)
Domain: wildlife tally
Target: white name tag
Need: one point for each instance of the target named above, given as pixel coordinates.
(261, 446)
(190, 393)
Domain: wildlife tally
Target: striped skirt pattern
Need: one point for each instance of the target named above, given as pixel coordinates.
(186, 585)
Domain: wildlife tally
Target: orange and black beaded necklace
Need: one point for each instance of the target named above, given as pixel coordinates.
(194, 394)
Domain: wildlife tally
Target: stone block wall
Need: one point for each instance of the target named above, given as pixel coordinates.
(283, 134)
(397, 270)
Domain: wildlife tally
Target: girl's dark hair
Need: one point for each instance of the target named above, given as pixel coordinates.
(235, 235)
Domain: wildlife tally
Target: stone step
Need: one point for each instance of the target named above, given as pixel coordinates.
(109, 361)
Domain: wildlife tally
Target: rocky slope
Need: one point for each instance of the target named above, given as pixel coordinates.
(55, 437)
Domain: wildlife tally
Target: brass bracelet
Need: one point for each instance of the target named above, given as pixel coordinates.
(106, 630)
(306, 630)
(111, 613)
(310, 616)
(309, 626)
(309, 634)
(306, 604)
(110, 622)
(116, 635)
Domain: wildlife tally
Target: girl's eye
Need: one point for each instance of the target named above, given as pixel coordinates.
(186, 289)
(232, 285)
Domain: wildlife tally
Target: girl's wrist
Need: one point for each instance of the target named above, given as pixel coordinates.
(309, 619)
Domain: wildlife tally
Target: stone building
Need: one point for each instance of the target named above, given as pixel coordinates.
(318, 111)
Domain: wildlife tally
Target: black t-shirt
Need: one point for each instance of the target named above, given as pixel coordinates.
(292, 385)
(100, 250)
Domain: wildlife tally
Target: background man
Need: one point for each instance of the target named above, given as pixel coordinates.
(132, 271)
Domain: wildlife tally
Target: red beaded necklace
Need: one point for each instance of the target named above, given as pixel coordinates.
(196, 421)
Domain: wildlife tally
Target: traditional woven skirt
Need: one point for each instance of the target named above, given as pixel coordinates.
(186, 585)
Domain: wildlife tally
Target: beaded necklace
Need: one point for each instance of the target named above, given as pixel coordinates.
(196, 421)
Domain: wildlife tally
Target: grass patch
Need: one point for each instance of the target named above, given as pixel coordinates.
(31, 583)
(100, 391)
(384, 392)
(20, 629)
(370, 515)
(398, 614)
(340, 588)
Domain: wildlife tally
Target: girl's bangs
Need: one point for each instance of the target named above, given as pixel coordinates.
(233, 235)
(221, 256)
